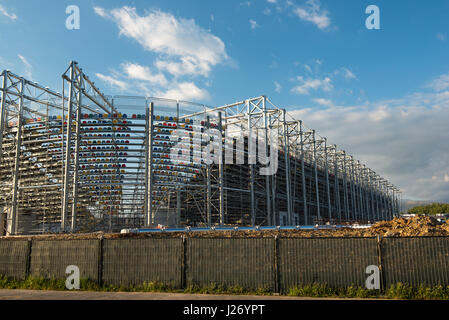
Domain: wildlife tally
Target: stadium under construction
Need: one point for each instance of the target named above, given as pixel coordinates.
(80, 161)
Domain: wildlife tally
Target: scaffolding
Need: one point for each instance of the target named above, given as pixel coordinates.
(80, 161)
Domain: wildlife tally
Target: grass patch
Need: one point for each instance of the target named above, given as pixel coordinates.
(404, 291)
(397, 291)
(324, 291)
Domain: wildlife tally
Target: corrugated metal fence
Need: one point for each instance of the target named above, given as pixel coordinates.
(274, 264)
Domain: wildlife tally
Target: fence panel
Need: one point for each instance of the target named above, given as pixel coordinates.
(416, 261)
(135, 261)
(13, 258)
(248, 263)
(337, 262)
(50, 258)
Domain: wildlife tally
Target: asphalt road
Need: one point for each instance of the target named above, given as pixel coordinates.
(19, 294)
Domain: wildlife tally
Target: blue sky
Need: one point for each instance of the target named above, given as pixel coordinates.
(382, 95)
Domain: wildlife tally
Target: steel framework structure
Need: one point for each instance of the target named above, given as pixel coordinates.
(83, 161)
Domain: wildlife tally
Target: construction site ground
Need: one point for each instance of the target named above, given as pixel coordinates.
(419, 226)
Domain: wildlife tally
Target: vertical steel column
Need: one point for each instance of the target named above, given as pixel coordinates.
(178, 188)
(287, 168)
(303, 176)
(221, 171)
(373, 214)
(77, 153)
(251, 162)
(3, 109)
(391, 202)
(208, 186)
(345, 186)
(273, 180)
(366, 190)
(12, 221)
(315, 166)
(65, 203)
(329, 208)
(376, 183)
(268, 154)
(359, 191)
(337, 184)
(147, 163)
(355, 212)
(384, 216)
(149, 177)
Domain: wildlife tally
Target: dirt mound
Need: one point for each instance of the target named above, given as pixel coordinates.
(415, 226)
(398, 227)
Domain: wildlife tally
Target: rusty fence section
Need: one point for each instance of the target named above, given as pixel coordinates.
(272, 264)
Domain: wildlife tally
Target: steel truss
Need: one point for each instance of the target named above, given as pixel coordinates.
(82, 161)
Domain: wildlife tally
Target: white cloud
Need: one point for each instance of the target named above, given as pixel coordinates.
(441, 83)
(136, 71)
(253, 24)
(324, 102)
(178, 41)
(271, 1)
(184, 91)
(441, 36)
(266, 11)
(112, 81)
(403, 140)
(183, 51)
(245, 3)
(312, 84)
(313, 13)
(277, 87)
(446, 177)
(4, 12)
(101, 12)
(28, 67)
(346, 73)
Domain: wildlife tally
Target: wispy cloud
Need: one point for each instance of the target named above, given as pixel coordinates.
(185, 91)
(177, 40)
(4, 12)
(253, 24)
(183, 50)
(312, 12)
(307, 85)
(441, 36)
(27, 66)
(112, 81)
(346, 73)
(101, 12)
(324, 102)
(138, 72)
(277, 87)
(440, 83)
(400, 138)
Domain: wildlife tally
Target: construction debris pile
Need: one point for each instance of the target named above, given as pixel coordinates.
(399, 227)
